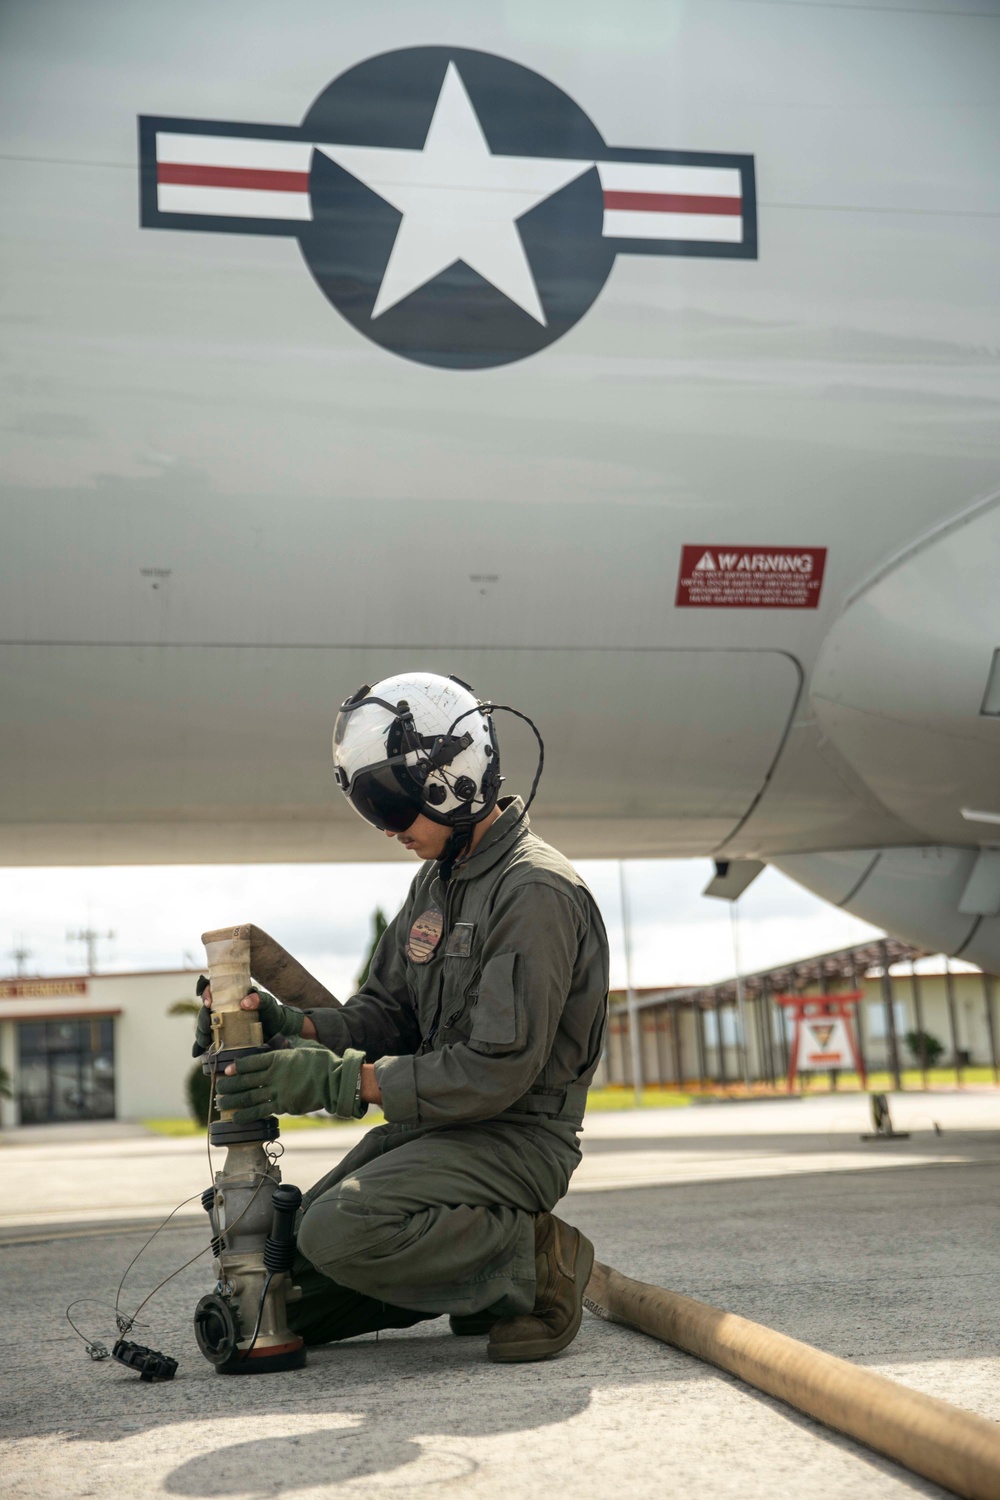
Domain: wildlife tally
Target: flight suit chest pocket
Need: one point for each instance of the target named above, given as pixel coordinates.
(499, 1021)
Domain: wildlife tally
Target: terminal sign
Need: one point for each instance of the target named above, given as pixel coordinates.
(40, 989)
(720, 577)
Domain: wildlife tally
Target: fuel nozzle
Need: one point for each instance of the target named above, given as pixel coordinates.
(242, 1326)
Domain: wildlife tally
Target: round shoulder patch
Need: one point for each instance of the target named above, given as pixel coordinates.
(424, 936)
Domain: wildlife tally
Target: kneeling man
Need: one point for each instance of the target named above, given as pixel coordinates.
(478, 1031)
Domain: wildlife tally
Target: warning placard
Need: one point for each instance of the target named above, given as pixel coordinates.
(824, 1044)
(715, 577)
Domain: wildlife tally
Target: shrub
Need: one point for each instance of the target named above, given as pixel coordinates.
(932, 1047)
(198, 1090)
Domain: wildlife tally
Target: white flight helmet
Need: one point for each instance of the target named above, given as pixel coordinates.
(417, 743)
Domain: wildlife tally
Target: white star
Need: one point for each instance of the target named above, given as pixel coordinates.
(459, 202)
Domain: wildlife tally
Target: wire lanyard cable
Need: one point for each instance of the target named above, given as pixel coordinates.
(491, 708)
(260, 1313)
(121, 1318)
(125, 1322)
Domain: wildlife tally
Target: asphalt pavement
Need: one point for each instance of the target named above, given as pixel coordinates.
(768, 1212)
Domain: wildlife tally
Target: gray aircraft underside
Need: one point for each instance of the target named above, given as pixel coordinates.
(225, 506)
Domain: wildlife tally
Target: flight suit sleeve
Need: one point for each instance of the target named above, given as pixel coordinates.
(381, 1017)
(526, 976)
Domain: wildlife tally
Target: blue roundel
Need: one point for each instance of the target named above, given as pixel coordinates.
(457, 212)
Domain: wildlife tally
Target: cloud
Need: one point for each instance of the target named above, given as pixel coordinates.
(322, 914)
(680, 936)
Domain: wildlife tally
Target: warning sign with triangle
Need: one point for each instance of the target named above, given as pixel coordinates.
(717, 575)
(824, 1043)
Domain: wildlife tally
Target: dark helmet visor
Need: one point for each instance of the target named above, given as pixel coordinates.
(379, 798)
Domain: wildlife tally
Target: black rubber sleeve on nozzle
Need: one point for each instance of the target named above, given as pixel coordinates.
(279, 1247)
(228, 1133)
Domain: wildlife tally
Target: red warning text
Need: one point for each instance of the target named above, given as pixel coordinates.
(713, 577)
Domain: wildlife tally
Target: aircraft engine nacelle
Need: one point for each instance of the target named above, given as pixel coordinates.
(906, 691)
(945, 900)
(906, 687)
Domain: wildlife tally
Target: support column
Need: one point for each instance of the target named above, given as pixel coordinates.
(949, 989)
(890, 1018)
(804, 1077)
(918, 1012)
(824, 989)
(743, 1036)
(721, 1045)
(657, 1013)
(700, 1038)
(859, 1010)
(675, 1024)
(635, 1045)
(758, 1029)
(991, 1023)
(634, 1022)
(778, 1013)
(767, 1028)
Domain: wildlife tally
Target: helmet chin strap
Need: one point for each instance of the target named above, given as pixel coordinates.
(457, 845)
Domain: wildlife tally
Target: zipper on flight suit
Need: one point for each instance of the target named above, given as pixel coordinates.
(435, 1024)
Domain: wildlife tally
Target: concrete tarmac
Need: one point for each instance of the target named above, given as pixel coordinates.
(104, 1175)
(891, 1265)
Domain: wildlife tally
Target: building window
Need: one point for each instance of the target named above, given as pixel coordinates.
(728, 1018)
(66, 1070)
(875, 1020)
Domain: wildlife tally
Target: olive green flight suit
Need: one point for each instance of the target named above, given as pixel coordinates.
(484, 1014)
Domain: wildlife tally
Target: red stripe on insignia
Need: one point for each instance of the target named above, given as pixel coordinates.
(190, 175)
(674, 203)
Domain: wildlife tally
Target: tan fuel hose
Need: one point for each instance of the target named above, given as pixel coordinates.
(273, 967)
(954, 1448)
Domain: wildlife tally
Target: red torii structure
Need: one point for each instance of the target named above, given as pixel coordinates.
(813, 1014)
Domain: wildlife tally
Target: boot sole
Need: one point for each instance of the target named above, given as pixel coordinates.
(548, 1348)
(468, 1332)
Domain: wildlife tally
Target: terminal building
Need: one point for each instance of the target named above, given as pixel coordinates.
(107, 1046)
(95, 1047)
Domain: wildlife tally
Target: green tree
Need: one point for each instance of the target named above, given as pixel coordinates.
(379, 924)
(184, 1008)
(932, 1048)
(197, 1086)
(198, 1091)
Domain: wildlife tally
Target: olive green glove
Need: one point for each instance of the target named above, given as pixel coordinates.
(292, 1082)
(276, 1019)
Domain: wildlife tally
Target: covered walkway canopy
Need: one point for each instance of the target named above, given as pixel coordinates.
(693, 1036)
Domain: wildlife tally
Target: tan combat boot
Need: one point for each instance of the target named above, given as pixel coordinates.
(564, 1259)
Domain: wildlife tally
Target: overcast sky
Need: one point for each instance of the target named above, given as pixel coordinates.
(322, 914)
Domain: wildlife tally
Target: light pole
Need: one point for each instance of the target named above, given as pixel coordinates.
(20, 953)
(91, 938)
(740, 999)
